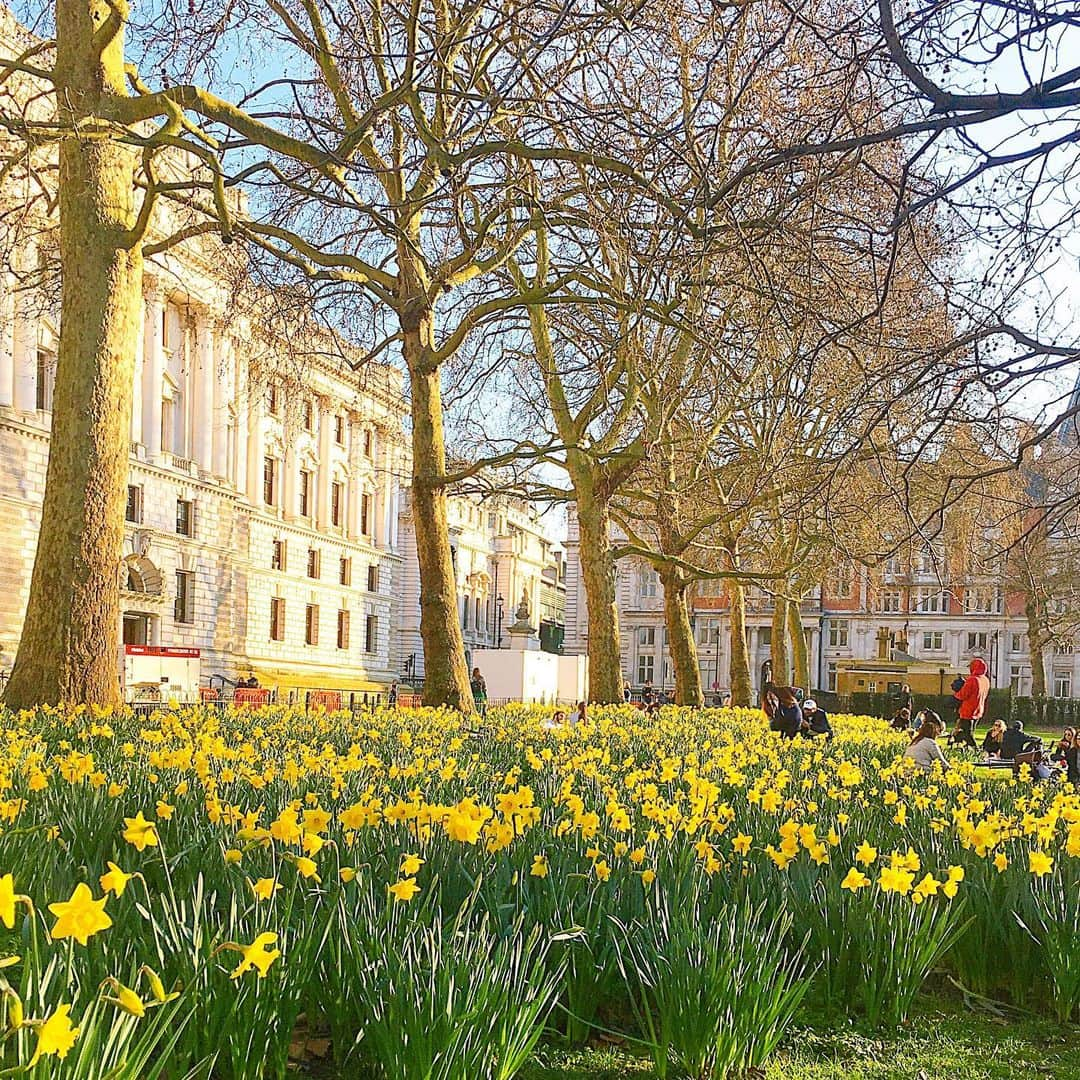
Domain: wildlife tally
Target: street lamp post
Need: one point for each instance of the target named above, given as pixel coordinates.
(498, 621)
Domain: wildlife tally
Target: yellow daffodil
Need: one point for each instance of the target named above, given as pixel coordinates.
(80, 917)
(139, 832)
(404, 890)
(56, 1036)
(115, 881)
(257, 955)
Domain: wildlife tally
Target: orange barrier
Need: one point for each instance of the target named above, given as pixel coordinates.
(330, 700)
(250, 695)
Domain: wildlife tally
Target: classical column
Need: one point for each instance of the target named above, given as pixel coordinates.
(242, 405)
(326, 438)
(255, 444)
(137, 386)
(7, 343)
(222, 392)
(204, 416)
(24, 353)
(153, 370)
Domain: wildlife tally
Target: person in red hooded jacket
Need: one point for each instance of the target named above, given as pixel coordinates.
(972, 701)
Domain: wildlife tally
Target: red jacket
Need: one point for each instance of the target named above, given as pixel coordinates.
(972, 695)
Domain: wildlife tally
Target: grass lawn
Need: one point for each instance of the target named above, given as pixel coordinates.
(944, 1041)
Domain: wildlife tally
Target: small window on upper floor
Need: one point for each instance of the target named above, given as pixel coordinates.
(185, 517)
(134, 510)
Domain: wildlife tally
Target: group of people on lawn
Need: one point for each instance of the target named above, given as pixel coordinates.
(1002, 742)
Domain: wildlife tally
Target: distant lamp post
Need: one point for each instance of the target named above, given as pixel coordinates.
(498, 621)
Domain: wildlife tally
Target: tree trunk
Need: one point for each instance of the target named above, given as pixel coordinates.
(799, 656)
(1035, 648)
(680, 634)
(598, 576)
(69, 647)
(778, 649)
(446, 675)
(742, 685)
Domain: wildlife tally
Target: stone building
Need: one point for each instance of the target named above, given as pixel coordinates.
(501, 554)
(944, 618)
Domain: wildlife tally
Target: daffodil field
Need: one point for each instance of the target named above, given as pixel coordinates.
(190, 894)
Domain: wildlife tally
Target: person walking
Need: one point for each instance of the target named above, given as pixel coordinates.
(971, 697)
(479, 691)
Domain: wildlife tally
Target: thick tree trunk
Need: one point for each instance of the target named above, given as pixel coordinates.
(446, 676)
(799, 655)
(70, 640)
(742, 685)
(778, 650)
(680, 635)
(598, 576)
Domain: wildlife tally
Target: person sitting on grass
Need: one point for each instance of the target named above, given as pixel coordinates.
(1067, 755)
(1017, 741)
(923, 748)
(991, 744)
(815, 720)
(901, 720)
(558, 720)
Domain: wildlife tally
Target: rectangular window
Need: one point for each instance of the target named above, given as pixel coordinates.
(133, 510)
(269, 481)
(184, 607)
(280, 555)
(368, 442)
(1063, 684)
(311, 624)
(44, 387)
(978, 640)
(273, 400)
(841, 581)
(1017, 643)
(339, 429)
(313, 563)
(890, 601)
(277, 619)
(337, 498)
(646, 635)
(1020, 680)
(983, 601)
(365, 515)
(345, 570)
(373, 577)
(371, 633)
(830, 677)
(931, 601)
(308, 413)
(1065, 647)
(648, 583)
(839, 633)
(933, 640)
(892, 566)
(185, 518)
(305, 493)
(342, 629)
(646, 665)
(465, 612)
